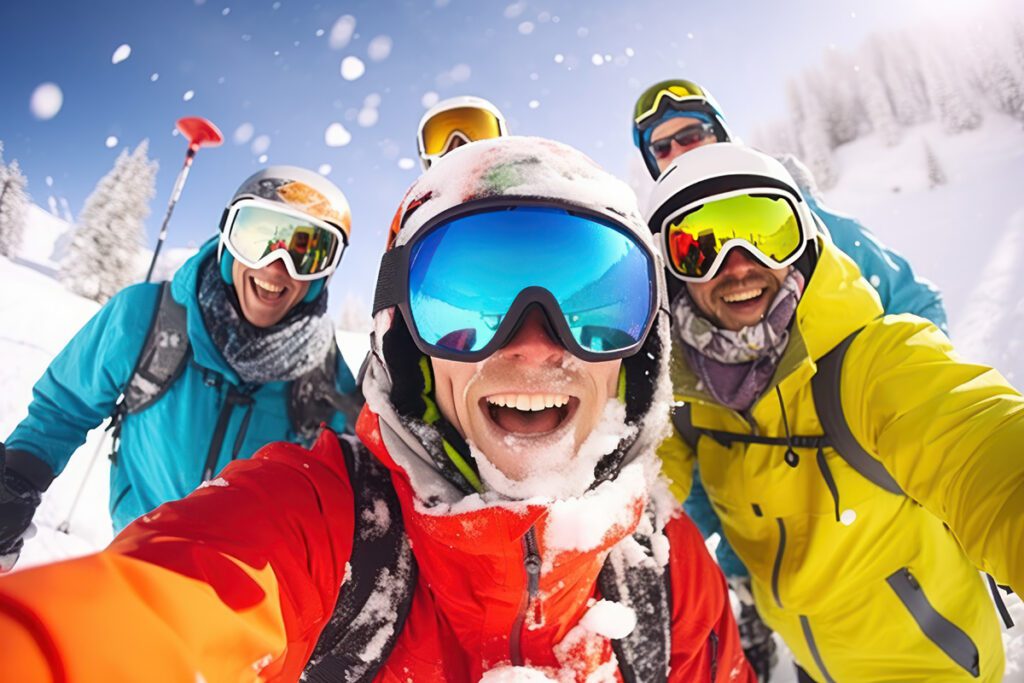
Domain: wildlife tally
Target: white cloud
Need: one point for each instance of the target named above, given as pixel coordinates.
(46, 101)
(337, 135)
(342, 31)
(379, 48)
(352, 68)
(122, 53)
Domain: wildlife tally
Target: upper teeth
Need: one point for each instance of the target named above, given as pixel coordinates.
(528, 401)
(269, 286)
(742, 296)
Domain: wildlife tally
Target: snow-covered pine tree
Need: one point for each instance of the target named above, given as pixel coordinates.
(13, 206)
(1000, 84)
(814, 142)
(354, 315)
(955, 107)
(936, 174)
(877, 105)
(104, 253)
(902, 74)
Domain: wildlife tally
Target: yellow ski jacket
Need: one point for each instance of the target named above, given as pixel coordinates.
(889, 590)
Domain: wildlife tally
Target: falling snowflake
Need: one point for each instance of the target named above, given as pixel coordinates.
(406, 164)
(352, 68)
(534, 104)
(189, 94)
(342, 31)
(243, 133)
(260, 145)
(368, 116)
(111, 141)
(46, 101)
(122, 53)
(429, 99)
(526, 28)
(324, 169)
(379, 48)
(337, 135)
(154, 76)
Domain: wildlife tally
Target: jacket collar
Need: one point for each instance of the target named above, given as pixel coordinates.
(185, 290)
(837, 302)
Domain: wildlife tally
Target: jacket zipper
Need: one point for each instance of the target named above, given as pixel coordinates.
(531, 562)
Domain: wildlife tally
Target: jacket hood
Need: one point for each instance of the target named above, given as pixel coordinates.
(516, 168)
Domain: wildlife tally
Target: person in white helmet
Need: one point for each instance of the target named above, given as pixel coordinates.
(237, 351)
(862, 471)
(454, 122)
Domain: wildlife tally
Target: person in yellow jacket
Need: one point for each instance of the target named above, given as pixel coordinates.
(863, 582)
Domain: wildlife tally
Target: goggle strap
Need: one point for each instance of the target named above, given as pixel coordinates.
(710, 188)
(389, 278)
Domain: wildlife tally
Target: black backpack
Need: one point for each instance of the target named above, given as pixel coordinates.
(825, 387)
(313, 398)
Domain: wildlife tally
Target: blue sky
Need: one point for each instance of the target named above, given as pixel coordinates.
(262, 63)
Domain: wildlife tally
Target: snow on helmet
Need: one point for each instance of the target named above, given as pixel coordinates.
(456, 121)
(715, 170)
(297, 189)
(669, 99)
(398, 384)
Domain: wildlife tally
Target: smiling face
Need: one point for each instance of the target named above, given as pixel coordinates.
(739, 295)
(525, 400)
(266, 294)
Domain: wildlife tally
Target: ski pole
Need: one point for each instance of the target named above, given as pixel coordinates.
(65, 526)
(200, 133)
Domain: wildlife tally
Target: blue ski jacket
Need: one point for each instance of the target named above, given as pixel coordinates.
(900, 291)
(164, 448)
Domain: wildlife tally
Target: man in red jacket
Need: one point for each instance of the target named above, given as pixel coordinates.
(502, 517)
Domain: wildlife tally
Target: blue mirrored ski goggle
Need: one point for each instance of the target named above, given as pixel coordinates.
(465, 281)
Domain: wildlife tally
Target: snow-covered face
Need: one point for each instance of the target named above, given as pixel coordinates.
(266, 294)
(528, 404)
(665, 131)
(740, 294)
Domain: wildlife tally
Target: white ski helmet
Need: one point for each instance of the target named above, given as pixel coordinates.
(723, 170)
(466, 118)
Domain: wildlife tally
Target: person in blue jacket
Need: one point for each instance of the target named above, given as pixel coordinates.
(674, 116)
(252, 359)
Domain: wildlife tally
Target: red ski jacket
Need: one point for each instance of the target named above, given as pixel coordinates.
(238, 580)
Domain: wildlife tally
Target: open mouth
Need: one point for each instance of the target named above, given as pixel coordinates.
(529, 414)
(266, 291)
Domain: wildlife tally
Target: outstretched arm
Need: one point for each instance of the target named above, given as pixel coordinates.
(237, 579)
(948, 431)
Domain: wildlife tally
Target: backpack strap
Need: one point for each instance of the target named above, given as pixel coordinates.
(376, 594)
(682, 420)
(643, 586)
(314, 398)
(163, 357)
(825, 385)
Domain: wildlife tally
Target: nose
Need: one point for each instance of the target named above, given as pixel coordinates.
(276, 267)
(738, 264)
(532, 343)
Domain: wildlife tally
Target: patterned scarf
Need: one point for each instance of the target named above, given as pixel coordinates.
(280, 353)
(735, 367)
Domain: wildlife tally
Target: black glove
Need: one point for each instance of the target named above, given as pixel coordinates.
(755, 637)
(18, 502)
